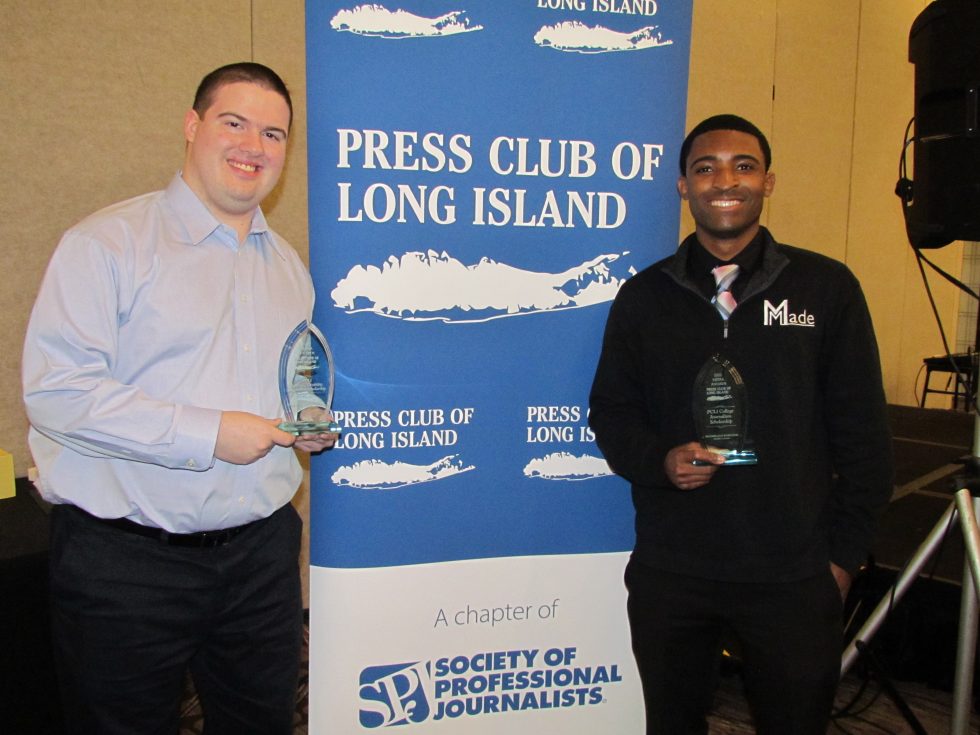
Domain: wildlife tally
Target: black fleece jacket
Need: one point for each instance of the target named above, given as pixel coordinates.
(802, 339)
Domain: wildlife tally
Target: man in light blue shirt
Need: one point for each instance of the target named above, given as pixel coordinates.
(151, 383)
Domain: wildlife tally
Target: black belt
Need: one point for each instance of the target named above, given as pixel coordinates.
(199, 540)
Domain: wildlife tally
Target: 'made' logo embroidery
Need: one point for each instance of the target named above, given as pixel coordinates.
(781, 315)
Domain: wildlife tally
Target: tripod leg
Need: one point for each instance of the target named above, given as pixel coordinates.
(967, 643)
(967, 506)
(925, 551)
(890, 691)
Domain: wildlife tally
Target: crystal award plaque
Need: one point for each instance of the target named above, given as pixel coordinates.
(306, 382)
(721, 412)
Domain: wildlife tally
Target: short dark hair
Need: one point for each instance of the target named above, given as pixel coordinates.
(242, 71)
(724, 122)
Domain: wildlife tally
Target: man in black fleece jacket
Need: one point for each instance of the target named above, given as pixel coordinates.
(764, 552)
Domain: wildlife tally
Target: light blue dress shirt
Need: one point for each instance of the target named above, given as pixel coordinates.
(150, 321)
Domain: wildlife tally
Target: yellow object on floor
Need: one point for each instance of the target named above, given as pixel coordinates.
(6, 475)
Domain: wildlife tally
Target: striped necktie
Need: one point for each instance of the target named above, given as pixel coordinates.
(723, 300)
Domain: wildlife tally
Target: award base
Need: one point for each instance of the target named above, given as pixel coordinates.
(302, 428)
(740, 457)
(733, 457)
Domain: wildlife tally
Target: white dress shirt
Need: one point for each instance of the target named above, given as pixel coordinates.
(150, 321)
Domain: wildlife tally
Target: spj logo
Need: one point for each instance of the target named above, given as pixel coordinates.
(481, 684)
(396, 694)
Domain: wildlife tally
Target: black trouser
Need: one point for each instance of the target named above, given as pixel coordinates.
(790, 637)
(131, 615)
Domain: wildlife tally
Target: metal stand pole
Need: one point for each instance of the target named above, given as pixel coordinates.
(963, 509)
(966, 646)
(908, 575)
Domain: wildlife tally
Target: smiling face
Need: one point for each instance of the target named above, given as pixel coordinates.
(236, 151)
(725, 184)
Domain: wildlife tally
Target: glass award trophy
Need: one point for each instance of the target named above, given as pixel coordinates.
(721, 412)
(306, 382)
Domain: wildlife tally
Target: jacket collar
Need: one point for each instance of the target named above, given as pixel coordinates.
(771, 264)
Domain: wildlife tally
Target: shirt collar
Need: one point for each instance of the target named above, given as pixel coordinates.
(703, 261)
(700, 263)
(200, 223)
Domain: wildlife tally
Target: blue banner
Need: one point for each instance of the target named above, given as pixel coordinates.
(483, 178)
(481, 182)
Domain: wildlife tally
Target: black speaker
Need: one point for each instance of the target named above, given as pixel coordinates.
(944, 46)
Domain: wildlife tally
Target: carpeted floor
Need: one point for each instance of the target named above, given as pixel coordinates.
(869, 711)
